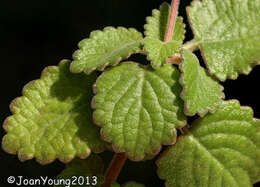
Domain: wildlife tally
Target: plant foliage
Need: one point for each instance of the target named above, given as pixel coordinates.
(135, 109)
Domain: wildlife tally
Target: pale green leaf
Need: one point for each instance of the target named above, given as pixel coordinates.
(221, 149)
(88, 172)
(201, 93)
(138, 108)
(53, 118)
(228, 32)
(155, 29)
(107, 47)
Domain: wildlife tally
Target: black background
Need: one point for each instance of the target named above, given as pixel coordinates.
(36, 34)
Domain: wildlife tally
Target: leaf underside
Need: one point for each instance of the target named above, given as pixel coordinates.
(155, 29)
(138, 108)
(221, 149)
(53, 118)
(201, 93)
(107, 47)
(228, 32)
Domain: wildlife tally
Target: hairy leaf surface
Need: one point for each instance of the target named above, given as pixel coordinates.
(53, 118)
(201, 92)
(221, 149)
(228, 32)
(138, 108)
(155, 29)
(107, 47)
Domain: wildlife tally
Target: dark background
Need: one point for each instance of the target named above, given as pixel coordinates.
(36, 34)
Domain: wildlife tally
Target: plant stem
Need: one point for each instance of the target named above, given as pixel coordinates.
(190, 45)
(172, 20)
(114, 168)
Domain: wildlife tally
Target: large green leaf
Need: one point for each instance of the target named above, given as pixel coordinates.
(221, 149)
(201, 92)
(104, 48)
(88, 172)
(228, 32)
(155, 29)
(53, 118)
(138, 108)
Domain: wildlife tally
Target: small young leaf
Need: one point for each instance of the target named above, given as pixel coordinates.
(221, 149)
(155, 29)
(201, 93)
(87, 172)
(138, 108)
(159, 52)
(229, 35)
(104, 48)
(53, 118)
(133, 184)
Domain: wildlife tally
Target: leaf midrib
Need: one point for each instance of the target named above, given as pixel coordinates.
(105, 58)
(228, 40)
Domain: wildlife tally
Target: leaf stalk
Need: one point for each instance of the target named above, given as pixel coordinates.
(114, 168)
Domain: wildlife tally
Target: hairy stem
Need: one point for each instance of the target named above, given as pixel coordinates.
(114, 168)
(172, 20)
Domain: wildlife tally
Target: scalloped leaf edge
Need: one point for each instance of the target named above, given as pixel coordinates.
(102, 68)
(116, 149)
(186, 104)
(11, 107)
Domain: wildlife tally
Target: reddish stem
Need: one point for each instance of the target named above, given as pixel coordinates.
(114, 168)
(172, 20)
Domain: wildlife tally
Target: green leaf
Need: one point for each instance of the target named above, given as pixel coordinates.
(93, 165)
(201, 93)
(159, 52)
(221, 149)
(133, 184)
(138, 108)
(155, 29)
(53, 118)
(229, 35)
(105, 48)
(86, 172)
